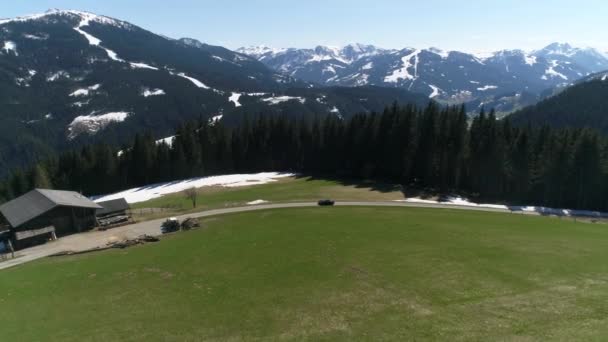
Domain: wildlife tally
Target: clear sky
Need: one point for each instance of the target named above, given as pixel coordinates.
(468, 25)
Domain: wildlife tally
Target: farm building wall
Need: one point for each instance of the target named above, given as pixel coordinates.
(66, 220)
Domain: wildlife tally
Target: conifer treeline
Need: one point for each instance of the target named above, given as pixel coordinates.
(430, 147)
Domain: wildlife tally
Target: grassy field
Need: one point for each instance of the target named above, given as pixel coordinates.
(326, 274)
(284, 190)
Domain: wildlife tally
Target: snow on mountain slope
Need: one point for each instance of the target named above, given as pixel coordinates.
(485, 77)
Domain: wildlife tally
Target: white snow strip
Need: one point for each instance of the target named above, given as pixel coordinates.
(368, 66)
(487, 87)
(152, 92)
(147, 193)
(403, 73)
(605, 77)
(551, 71)
(85, 20)
(280, 99)
(460, 201)
(142, 66)
(85, 91)
(234, 98)
(10, 46)
(256, 202)
(215, 119)
(194, 80)
(436, 91)
(92, 123)
(33, 37)
(54, 77)
(168, 141)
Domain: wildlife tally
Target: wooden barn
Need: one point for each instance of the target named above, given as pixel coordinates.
(113, 212)
(42, 214)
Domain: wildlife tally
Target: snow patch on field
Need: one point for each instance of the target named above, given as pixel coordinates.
(146, 193)
(256, 202)
(93, 123)
(460, 201)
(234, 98)
(280, 99)
(152, 92)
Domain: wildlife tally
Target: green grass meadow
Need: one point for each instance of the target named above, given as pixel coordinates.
(326, 274)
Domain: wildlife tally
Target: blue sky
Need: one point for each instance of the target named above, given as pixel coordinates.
(472, 25)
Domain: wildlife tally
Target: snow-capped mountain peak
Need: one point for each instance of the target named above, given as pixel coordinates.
(83, 15)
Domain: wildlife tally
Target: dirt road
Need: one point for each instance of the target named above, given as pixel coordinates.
(90, 240)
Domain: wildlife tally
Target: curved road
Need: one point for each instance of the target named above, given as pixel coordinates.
(94, 239)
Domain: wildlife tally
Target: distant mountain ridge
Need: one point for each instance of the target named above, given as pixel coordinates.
(504, 79)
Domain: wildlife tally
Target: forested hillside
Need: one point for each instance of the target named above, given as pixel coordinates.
(430, 147)
(582, 105)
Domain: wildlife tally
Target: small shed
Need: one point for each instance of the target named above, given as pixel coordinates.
(113, 212)
(42, 213)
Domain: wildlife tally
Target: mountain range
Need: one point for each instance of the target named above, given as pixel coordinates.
(505, 80)
(70, 78)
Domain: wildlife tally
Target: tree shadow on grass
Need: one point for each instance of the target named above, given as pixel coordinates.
(371, 185)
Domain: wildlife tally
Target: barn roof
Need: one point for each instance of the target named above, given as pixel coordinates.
(112, 206)
(40, 201)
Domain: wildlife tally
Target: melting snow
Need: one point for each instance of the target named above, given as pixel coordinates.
(460, 201)
(260, 201)
(85, 91)
(552, 73)
(34, 37)
(194, 80)
(168, 141)
(280, 99)
(368, 66)
(85, 20)
(403, 73)
(92, 123)
(234, 98)
(54, 77)
(146, 193)
(152, 92)
(216, 119)
(530, 60)
(142, 66)
(436, 91)
(10, 46)
(487, 87)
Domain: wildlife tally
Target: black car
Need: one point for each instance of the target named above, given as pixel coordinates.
(325, 202)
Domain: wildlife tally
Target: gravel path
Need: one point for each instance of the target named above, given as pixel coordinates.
(90, 240)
